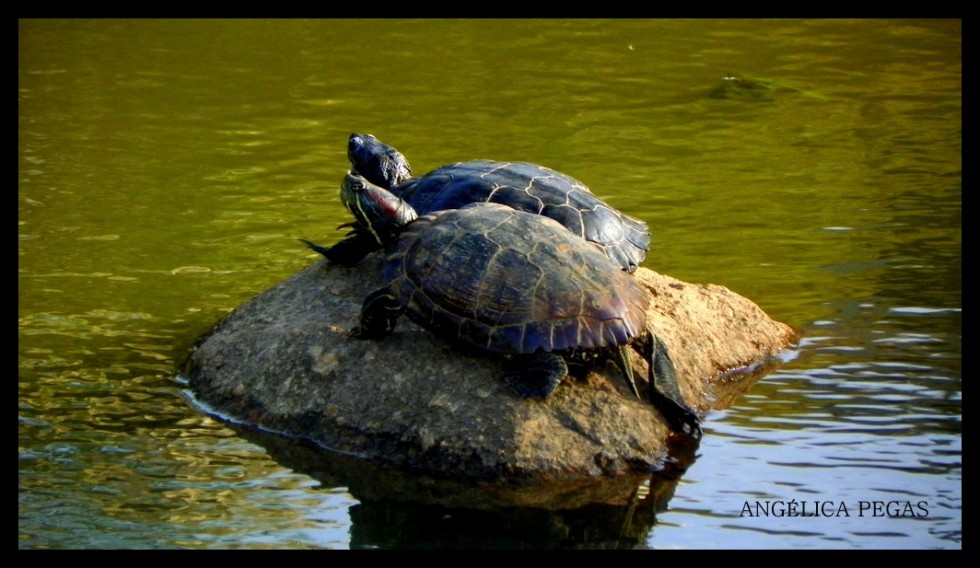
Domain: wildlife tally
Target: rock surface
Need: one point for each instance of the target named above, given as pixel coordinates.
(284, 361)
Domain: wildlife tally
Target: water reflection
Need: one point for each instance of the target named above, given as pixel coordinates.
(399, 510)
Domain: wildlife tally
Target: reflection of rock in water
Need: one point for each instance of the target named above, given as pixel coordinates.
(398, 510)
(392, 525)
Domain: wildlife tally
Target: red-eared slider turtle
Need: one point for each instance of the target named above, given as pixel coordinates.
(519, 185)
(512, 283)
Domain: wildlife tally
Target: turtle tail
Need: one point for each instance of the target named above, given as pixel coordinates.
(623, 362)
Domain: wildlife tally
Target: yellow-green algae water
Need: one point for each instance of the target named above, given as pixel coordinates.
(166, 169)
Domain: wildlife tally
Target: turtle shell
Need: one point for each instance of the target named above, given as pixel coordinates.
(534, 189)
(507, 281)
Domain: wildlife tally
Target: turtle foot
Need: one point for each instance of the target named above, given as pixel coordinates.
(679, 417)
(538, 376)
(325, 251)
(348, 251)
(665, 391)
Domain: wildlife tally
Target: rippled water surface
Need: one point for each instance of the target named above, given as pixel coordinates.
(166, 169)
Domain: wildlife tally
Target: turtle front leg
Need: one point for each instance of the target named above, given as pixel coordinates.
(664, 390)
(378, 315)
(537, 375)
(348, 251)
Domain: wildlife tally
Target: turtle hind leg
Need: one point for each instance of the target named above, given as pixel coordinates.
(665, 393)
(537, 375)
(348, 251)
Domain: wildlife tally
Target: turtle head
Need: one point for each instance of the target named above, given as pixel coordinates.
(380, 211)
(379, 163)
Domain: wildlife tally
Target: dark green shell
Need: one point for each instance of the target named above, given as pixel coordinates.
(507, 281)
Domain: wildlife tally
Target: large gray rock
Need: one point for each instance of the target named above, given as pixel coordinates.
(284, 361)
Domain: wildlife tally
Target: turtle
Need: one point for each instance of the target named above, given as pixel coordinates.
(758, 89)
(512, 284)
(520, 185)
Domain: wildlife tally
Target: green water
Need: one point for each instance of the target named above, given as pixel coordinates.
(166, 169)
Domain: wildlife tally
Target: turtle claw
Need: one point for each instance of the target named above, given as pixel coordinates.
(313, 246)
(679, 417)
(357, 332)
